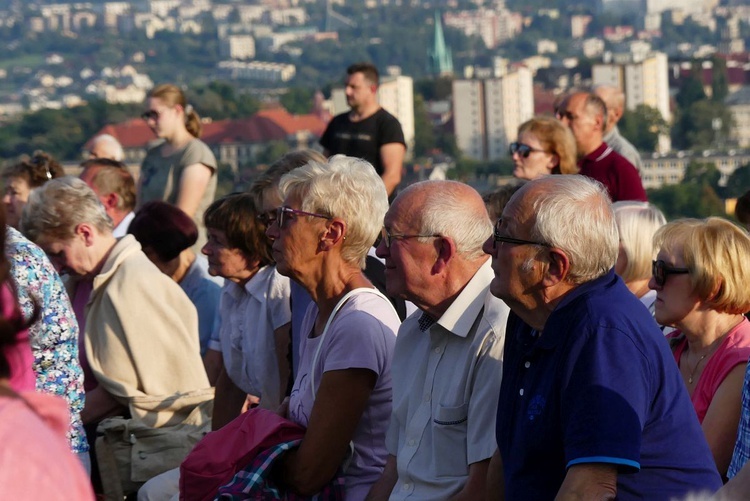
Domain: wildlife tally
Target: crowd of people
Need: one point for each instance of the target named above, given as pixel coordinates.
(554, 339)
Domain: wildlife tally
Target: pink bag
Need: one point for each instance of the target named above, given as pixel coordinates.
(222, 453)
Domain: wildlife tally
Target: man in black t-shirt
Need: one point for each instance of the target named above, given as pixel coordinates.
(367, 130)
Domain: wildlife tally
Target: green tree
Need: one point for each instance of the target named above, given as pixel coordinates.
(691, 87)
(643, 126)
(424, 135)
(739, 182)
(719, 79)
(298, 100)
(272, 152)
(696, 196)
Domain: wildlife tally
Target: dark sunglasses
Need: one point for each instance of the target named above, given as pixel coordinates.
(281, 214)
(660, 270)
(498, 237)
(522, 149)
(150, 115)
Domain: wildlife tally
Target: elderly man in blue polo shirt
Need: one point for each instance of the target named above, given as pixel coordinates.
(592, 405)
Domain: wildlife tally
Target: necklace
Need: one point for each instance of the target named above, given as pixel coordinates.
(695, 368)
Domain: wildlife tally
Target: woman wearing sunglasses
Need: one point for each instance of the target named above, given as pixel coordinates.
(701, 276)
(331, 215)
(180, 170)
(544, 146)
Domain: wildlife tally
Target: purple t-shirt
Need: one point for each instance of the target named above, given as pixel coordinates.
(362, 335)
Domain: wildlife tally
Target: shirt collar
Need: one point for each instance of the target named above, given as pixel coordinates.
(460, 316)
(602, 151)
(548, 340)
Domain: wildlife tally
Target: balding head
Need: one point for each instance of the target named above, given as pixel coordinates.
(573, 214)
(614, 99)
(113, 184)
(585, 113)
(106, 146)
(447, 208)
(436, 230)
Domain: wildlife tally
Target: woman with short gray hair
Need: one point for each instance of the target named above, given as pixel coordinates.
(331, 215)
(140, 329)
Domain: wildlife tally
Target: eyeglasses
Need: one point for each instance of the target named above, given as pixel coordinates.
(389, 237)
(150, 115)
(522, 149)
(660, 270)
(281, 214)
(498, 237)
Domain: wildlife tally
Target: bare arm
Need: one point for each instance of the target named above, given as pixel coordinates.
(228, 401)
(392, 160)
(737, 488)
(193, 184)
(340, 401)
(381, 490)
(475, 487)
(723, 417)
(589, 482)
(99, 404)
(496, 478)
(283, 338)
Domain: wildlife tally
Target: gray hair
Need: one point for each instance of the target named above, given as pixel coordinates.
(56, 208)
(637, 223)
(113, 146)
(344, 187)
(595, 106)
(574, 214)
(447, 210)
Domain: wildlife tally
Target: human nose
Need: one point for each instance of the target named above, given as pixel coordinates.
(489, 247)
(652, 283)
(382, 250)
(6, 199)
(206, 249)
(272, 230)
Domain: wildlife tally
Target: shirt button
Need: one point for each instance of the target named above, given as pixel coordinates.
(406, 487)
(411, 443)
(427, 397)
(438, 350)
(520, 392)
(527, 364)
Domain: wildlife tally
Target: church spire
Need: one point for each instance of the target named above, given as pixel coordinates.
(440, 59)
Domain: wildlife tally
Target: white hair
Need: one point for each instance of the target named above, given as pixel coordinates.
(446, 211)
(574, 214)
(58, 206)
(637, 223)
(113, 146)
(344, 187)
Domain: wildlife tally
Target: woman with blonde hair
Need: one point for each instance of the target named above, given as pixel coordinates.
(180, 170)
(544, 146)
(637, 222)
(700, 276)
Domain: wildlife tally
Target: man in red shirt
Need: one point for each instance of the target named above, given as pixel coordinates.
(586, 114)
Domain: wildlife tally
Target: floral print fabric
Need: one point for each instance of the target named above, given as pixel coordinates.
(54, 335)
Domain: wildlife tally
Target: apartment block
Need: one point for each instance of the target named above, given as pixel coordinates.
(644, 80)
(487, 113)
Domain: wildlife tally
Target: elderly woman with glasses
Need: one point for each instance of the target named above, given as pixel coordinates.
(181, 169)
(331, 215)
(701, 276)
(544, 146)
